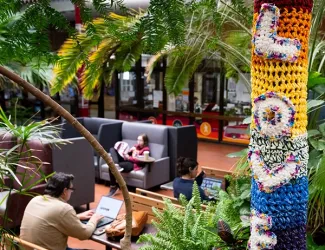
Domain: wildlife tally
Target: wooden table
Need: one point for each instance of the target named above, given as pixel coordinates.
(149, 160)
(115, 243)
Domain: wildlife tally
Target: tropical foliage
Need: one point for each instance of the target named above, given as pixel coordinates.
(38, 17)
(220, 225)
(186, 33)
(18, 163)
(28, 37)
(116, 35)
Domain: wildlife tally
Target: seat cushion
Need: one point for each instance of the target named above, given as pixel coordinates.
(139, 174)
(104, 168)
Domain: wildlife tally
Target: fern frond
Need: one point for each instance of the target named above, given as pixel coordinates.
(196, 197)
(187, 217)
(196, 227)
(182, 200)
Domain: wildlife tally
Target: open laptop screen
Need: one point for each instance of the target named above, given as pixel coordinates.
(109, 207)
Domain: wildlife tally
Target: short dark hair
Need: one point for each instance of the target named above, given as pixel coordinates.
(185, 164)
(145, 139)
(57, 183)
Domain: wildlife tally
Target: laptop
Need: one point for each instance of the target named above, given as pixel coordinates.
(213, 185)
(109, 208)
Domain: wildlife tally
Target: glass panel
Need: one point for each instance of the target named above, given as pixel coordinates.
(180, 103)
(153, 92)
(237, 103)
(128, 88)
(237, 98)
(206, 102)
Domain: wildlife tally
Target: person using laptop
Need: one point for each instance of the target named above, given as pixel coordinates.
(49, 220)
(126, 161)
(187, 169)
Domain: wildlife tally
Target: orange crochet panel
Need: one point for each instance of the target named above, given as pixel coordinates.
(288, 79)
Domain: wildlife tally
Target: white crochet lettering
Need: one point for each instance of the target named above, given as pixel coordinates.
(261, 236)
(267, 43)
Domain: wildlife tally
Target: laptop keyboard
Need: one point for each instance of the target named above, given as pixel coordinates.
(104, 221)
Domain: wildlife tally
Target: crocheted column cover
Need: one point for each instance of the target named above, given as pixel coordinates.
(278, 151)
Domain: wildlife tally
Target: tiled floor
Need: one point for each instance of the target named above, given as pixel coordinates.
(209, 154)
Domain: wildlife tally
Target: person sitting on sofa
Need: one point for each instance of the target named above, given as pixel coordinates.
(187, 169)
(48, 220)
(125, 160)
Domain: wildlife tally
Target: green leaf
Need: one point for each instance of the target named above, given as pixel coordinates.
(313, 132)
(310, 242)
(315, 80)
(313, 104)
(314, 157)
(322, 128)
(317, 143)
(238, 154)
(246, 194)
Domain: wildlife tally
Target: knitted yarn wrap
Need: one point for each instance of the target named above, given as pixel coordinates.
(278, 150)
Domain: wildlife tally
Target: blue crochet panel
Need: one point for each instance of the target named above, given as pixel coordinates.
(287, 205)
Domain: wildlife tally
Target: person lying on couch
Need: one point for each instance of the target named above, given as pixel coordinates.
(49, 220)
(187, 169)
(125, 159)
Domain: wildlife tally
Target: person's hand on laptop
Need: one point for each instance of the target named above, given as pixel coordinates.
(96, 218)
(86, 215)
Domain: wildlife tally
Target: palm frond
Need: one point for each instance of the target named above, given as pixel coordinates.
(167, 18)
(92, 75)
(180, 69)
(37, 73)
(73, 54)
(127, 55)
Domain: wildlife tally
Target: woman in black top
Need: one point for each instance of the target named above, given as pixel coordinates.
(187, 170)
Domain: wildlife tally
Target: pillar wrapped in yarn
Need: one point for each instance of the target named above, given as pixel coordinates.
(278, 150)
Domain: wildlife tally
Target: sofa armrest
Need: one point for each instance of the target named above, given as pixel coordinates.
(68, 131)
(77, 158)
(159, 173)
(109, 134)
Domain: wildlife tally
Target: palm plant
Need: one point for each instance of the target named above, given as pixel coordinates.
(116, 35)
(209, 34)
(185, 33)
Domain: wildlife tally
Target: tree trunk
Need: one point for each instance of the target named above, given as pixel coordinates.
(126, 241)
(278, 151)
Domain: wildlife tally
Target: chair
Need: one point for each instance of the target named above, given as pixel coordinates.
(152, 174)
(99, 129)
(182, 141)
(22, 244)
